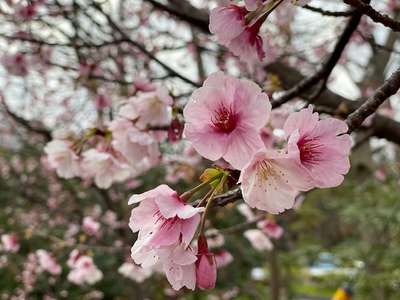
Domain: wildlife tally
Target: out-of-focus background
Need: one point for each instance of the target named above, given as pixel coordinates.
(67, 66)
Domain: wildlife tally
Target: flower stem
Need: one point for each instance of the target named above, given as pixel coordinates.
(188, 194)
(210, 200)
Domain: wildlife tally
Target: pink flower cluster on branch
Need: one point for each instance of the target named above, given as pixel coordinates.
(127, 147)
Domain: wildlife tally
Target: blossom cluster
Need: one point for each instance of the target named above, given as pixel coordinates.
(125, 148)
(226, 121)
(237, 27)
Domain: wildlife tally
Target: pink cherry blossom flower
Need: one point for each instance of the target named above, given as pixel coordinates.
(228, 23)
(104, 167)
(258, 240)
(47, 262)
(224, 118)
(162, 219)
(139, 148)
(271, 229)
(27, 12)
(62, 158)
(149, 109)
(321, 147)
(206, 266)
(16, 64)
(272, 180)
(223, 258)
(90, 226)
(134, 272)
(84, 271)
(10, 242)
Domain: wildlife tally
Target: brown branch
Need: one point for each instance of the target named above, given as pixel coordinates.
(376, 16)
(329, 13)
(326, 69)
(142, 49)
(25, 123)
(389, 88)
(198, 19)
(335, 104)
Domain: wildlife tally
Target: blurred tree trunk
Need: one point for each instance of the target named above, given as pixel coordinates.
(274, 282)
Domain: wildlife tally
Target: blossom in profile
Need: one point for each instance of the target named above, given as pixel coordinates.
(163, 218)
(239, 35)
(84, 271)
(134, 272)
(150, 109)
(224, 118)
(47, 262)
(271, 181)
(206, 266)
(258, 240)
(62, 158)
(321, 147)
(10, 242)
(104, 167)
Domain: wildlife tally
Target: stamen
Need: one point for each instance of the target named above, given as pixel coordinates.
(224, 119)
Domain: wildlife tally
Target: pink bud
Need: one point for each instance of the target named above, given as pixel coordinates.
(175, 131)
(206, 267)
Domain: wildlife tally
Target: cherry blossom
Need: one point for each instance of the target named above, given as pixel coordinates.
(149, 109)
(84, 271)
(162, 219)
(258, 240)
(241, 37)
(16, 64)
(224, 117)
(10, 242)
(271, 181)
(139, 148)
(47, 262)
(223, 258)
(271, 229)
(321, 147)
(90, 226)
(62, 158)
(104, 167)
(134, 272)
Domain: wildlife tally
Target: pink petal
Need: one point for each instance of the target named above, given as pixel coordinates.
(243, 144)
(304, 121)
(189, 227)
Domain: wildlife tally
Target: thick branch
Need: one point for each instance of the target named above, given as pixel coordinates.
(326, 68)
(383, 127)
(374, 15)
(389, 88)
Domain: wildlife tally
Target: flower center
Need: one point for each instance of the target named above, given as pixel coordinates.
(310, 150)
(224, 119)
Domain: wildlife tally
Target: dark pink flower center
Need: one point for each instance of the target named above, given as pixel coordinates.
(310, 150)
(169, 223)
(224, 119)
